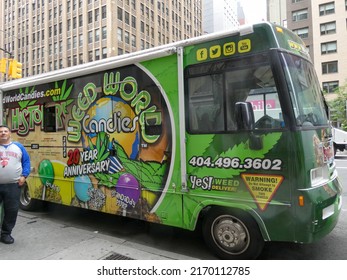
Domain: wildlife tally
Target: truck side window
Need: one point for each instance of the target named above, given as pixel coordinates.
(214, 88)
(205, 104)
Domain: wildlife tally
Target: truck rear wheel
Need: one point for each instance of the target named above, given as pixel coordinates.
(26, 202)
(232, 234)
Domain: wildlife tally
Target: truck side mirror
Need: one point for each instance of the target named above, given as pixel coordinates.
(245, 121)
(244, 116)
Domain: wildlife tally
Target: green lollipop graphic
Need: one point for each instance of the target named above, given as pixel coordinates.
(46, 174)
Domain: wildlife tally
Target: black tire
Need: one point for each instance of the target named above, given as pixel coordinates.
(26, 202)
(232, 234)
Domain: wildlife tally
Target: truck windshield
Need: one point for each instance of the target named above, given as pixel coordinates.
(305, 93)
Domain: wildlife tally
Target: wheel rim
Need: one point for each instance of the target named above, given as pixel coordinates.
(25, 196)
(230, 234)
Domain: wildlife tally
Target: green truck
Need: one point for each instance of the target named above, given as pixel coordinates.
(229, 129)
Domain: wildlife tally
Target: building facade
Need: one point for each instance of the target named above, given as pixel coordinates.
(276, 11)
(219, 15)
(45, 35)
(330, 40)
(322, 24)
(299, 20)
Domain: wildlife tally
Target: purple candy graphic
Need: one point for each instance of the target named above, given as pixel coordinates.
(128, 190)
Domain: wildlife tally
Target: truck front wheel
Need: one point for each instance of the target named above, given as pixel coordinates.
(232, 234)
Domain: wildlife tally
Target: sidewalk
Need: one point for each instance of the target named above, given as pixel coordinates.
(37, 239)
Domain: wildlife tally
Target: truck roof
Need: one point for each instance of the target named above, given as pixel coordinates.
(138, 56)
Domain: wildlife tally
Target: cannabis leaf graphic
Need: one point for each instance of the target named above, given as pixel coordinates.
(150, 174)
(25, 103)
(65, 93)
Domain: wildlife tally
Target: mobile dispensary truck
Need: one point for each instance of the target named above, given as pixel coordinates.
(229, 129)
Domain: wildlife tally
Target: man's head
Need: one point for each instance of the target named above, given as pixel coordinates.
(5, 134)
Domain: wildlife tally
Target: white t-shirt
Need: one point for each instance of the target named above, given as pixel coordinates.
(14, 162)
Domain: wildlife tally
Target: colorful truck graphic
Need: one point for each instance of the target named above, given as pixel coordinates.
(228, 128)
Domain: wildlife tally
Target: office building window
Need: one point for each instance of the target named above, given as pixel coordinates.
(68, 45)
(104, 52)
(97, 35)
(80, 41)
(126, 18)
(74, 42)
(103, 32)
(300, 15)
(50, 49)
(90, 37)
(90, 17)
(120, 34)
(80, 20)
(103, 12)
(329, 87)
(97, 54)
(302, 32)
(120, 13)
(296, 1)
(97, 14)
(133, 21)
(329, 67)
(329, 47)
(74, 23)
(126, 37)
(68, 25)
(133, 4)
(133, 40)
(327, 9)
(328, 28)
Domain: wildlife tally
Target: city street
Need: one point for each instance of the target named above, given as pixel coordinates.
(71, 233)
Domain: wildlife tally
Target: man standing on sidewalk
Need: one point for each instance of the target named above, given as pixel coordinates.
(14, 168)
